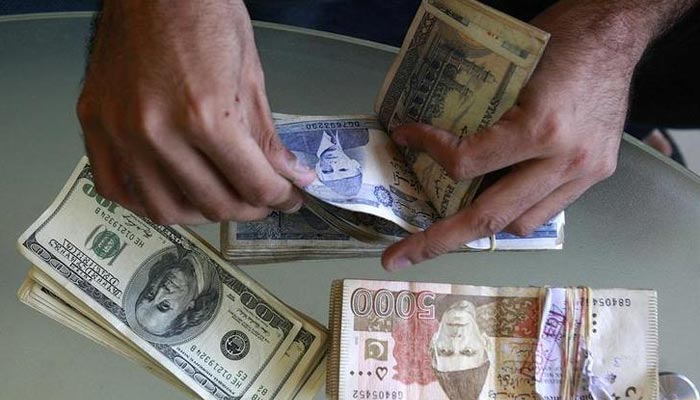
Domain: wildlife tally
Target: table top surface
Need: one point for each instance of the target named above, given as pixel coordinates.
(638, 229)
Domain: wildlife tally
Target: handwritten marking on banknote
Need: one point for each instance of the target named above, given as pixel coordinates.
(448, 341)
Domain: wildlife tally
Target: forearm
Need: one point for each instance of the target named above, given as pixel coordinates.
(614, 30)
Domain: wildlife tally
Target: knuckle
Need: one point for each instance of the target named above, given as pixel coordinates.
(270, 145)
(161, 217)
(158, 213)
(606, 168)
(200, 117)
(147, 124)
(218, 212)
(548, 132)
(253, 215)
(522, 228)
(579, 161)
(488, 223)
(458, 168)
(85, 110)
(105, 189)
(433, 246)
(263, 195)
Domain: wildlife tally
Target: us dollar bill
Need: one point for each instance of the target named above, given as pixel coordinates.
(413, 340)
(44, 295)
(461, 66)
(163, 291)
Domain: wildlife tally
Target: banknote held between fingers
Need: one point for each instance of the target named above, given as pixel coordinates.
(175, 116)
(561, 138)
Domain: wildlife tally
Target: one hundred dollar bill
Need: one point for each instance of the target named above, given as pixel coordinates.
(163, 291)
(45, 296)
(411, 340)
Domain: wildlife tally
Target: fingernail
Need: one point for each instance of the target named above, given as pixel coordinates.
(400, 263)
(296, 164)
(294, 209)
(301, 167)
(305, 174)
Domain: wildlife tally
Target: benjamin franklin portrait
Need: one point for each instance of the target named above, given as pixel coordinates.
(172, 298)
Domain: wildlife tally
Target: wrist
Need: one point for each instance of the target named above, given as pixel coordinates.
(599, 32)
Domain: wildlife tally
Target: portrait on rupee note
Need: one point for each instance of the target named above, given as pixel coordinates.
(335, 154)
(459, 356)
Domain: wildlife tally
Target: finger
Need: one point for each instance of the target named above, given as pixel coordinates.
(108, 170)
(491, 212)
(204, 186)
(163, 201)
(244, 165)
(287, 164)
(488, 150)
(546, 209)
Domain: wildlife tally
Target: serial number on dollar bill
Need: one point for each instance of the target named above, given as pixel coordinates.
(612, 302)
(333, 125)
(200, 356)
(377, 394)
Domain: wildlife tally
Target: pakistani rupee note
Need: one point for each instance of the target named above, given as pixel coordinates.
(403, 340)
(365, 197)
(164, 291)
(303, 236)
(461, 66)
(358, 168)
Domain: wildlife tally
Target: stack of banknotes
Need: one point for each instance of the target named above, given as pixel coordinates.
(404, 341)
(461, 66)
(161, 297)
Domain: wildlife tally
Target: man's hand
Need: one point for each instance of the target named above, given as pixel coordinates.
(561, 138)
(175, 117)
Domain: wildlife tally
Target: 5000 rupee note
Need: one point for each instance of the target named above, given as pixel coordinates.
(413, 340)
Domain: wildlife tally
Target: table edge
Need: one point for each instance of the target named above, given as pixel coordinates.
(258, 24)
(348, 39)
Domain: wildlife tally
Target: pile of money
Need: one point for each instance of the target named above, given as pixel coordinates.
(461, 66)
(409, 340)
(161, 297)
(305, 236)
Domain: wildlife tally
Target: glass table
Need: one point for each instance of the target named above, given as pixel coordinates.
(638, 229)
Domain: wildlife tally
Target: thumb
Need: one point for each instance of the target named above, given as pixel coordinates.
(287, 164)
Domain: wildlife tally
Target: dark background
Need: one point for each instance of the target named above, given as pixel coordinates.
(665, 89)
(384, 21)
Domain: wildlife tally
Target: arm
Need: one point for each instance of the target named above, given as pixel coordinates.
(561, 138)
(175, 116)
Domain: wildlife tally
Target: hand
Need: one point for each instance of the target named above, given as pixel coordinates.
(175, 118)
(561, 138)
